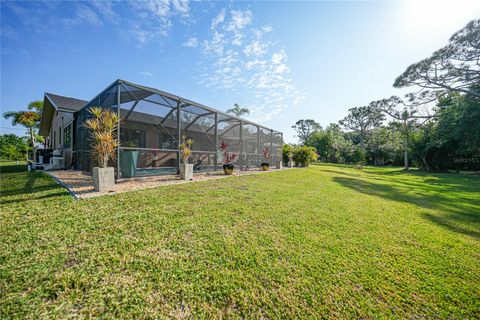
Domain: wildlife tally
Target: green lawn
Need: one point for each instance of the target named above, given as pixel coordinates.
(326, 241)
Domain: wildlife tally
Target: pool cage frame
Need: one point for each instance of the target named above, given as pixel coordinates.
(153, 122)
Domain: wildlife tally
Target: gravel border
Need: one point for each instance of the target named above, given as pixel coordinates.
(80, 184)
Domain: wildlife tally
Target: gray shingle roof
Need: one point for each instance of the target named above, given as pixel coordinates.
(66, 103)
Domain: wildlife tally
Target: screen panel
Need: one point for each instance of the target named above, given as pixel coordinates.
(229, 133)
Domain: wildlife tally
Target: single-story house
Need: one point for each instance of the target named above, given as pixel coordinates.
(152, 125)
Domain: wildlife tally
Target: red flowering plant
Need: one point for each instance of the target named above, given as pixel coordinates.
(228, 157)
(266, 155)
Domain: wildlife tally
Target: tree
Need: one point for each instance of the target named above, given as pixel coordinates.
(238, 111)
(305, 128)
(453, 68)
(322, 143)
(422, 143)
(29, 119)
(407, 116)
(384, 145)
(12, 147)
(361, 120)
(458, 129)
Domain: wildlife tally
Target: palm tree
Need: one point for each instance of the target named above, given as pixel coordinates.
(29, 119)
(238, 111)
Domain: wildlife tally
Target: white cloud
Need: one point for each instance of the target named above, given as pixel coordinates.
(84, 15)
(260, 83)
(240, 19)
(268, 28)
(152, 19)
(105, 8)
(191, 42)
(256, 48)
(142, 21)
(219, 18)
(279, 57)
(148, 74)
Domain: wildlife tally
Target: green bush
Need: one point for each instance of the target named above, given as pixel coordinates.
(286, 150)
(359, 156)
(304, 155)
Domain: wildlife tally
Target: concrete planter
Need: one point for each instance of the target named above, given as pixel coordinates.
(291, 163)
(186, 171)
(279, 165)
(103, 179)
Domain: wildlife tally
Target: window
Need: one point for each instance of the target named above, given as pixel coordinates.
(67, 136)
(54, 139)
(59, 137)
(132, 138)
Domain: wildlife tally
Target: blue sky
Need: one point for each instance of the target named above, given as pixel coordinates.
(283, 60)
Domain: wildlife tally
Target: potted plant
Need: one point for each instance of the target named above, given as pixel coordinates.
(129, 160)
(291, 163)
(186, 169)
(102, 128)
(227, 158)
(266, 155)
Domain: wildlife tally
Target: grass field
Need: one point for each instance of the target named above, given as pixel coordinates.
(326, 241)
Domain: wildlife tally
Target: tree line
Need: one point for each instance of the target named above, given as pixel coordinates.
(436, 127)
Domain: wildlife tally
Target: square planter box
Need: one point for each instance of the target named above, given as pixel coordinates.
(186, 171)
(103, 179)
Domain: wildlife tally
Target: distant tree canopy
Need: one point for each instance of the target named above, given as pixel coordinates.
(13, 147)
(362, 120)
(395, 131)
(305, 128)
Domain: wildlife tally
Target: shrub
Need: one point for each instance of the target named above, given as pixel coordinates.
(304, 155)
(359, 157)
(287, 152)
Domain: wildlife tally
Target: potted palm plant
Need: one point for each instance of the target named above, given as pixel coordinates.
(227, 158)
(186, 169)
(266, 155)
(102, 128)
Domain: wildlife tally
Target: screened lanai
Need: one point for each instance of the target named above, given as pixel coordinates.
(153, 123)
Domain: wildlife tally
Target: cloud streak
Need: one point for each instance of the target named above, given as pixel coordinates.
(147, 21)
(237, 57)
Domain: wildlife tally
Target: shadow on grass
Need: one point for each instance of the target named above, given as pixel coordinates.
(11, 168)
(18, 186)
(459, 216)
(40, 197)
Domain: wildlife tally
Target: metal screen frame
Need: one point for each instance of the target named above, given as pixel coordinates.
(175, 117)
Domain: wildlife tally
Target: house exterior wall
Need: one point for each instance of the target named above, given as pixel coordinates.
(56, 138)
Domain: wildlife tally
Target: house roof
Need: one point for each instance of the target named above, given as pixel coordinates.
(53, 103)
(65, 103)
